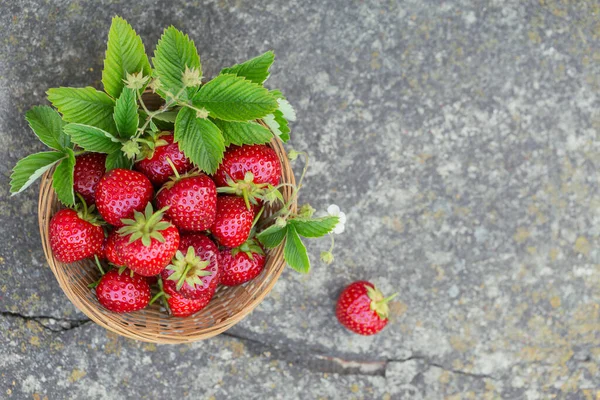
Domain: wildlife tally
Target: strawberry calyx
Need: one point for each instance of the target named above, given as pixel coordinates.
(250, 191)
(149, 143)
(87, 213)
(188, 269)
(379, 303)
(177, 176)
(145, 226)
(250, 247)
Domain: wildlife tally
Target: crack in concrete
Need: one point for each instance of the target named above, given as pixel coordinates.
(51, 324)
(427, 361)
(336, 365)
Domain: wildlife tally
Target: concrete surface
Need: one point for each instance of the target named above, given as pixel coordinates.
(459, 137)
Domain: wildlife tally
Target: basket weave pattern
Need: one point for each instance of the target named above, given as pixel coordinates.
(228, 306)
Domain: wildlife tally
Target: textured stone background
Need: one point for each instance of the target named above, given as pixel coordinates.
(459, 138)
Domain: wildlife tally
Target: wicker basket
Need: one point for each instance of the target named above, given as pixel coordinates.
(228, 306)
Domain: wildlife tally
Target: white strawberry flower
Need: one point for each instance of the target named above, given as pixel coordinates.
(335, 211)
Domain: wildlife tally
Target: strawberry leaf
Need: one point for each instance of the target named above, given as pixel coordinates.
(272, 236)
(255, 70)
(240, 133)
(294, 252)
(62, 179)
(30, 168)
(175, 51)
(118, 159)
(314, 228)
(47, 124)
(91, 138)
(125, 54)
(278, 125)
(126, 116)
(84, 106)
(233, 98)
(200, 140)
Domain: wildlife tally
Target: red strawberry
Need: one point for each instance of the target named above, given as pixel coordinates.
(362, 308)
(182, 307)
(194, 272)
(241, 264)
(113, 255)
(89, 168)
(120, 192)
(157, 168)
(261, 160)
(101, 253)
(232, 222)
(148, 243)
(123, 293)
(192, 201)
(74, 235)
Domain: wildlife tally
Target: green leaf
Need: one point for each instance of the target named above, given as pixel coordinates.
(126, 116)
(255, 70)
(175, 51)
(286, 109)
(240, 133)
(118, 159)
(62, 179)
(167, 116)
(295, 253)
(30, 168)
(91, 138)
(125, 54)
(283, 126)
(316, 227)
(272, 236)
(84, 106)
(47, 124)
(233, 98)
(200, 140)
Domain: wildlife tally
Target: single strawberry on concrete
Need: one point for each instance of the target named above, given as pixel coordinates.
(233, 221)
(122, 292)
(194, 272)
(148, 242)
(75, 235)
(241, 264)
(362, 308)
(192, 201)
(251, 172)
(120, 192)
(156, 165)
(89, 168)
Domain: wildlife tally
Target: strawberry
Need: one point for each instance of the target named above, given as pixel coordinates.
(147, 243)
(362, 308)
(89, 168)
(194, 272)
(192, 201)
(120, 192)
(112, 254)
(241, 264)
(157, 168)
(251, 172)
(101, 253)
(233, 221)
(261, 160)
(181, 306)
(122, 292)
(75, 235)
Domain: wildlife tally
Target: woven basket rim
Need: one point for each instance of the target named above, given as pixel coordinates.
(121, 323)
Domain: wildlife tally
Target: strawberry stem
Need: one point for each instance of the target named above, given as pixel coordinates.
(98, 264)
(173, 167)
(85, 207)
